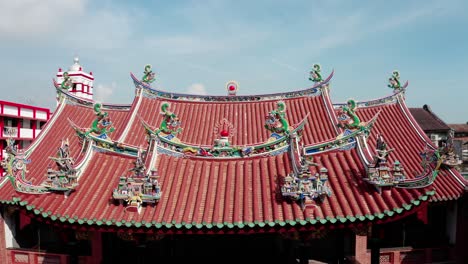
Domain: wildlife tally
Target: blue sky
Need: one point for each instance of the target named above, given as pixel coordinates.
(266, 46)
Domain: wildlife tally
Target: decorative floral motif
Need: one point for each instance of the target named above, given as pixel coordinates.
(149, 76)
(315, 75)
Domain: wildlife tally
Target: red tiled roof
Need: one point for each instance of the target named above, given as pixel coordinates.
(429, 121)
(206, 193)
(403, 134)
(459, 128)
(199, 119)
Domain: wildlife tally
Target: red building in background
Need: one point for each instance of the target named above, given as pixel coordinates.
(20, 122)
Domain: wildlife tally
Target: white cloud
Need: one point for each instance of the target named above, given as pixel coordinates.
(104, 29)
(73, 24)
(28, 18)
(102, 91)
(197, 88)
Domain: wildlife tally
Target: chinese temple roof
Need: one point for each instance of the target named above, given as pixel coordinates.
(237, 193)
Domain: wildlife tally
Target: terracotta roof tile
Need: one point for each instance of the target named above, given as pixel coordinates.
(428, 120)
(241, 193)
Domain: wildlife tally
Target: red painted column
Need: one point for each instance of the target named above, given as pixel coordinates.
(34, 125)
(2, 124)
(361, 254)
(3, 250)
(18, 133)
(96, 247)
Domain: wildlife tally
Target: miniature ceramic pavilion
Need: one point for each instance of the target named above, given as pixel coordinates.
(177, 175)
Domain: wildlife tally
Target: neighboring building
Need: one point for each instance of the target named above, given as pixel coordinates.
(271, 178)
(76, 81)
(20, 122)
(436, 129)
(461, 144)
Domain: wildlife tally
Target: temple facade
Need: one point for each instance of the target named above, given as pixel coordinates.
(272, 178)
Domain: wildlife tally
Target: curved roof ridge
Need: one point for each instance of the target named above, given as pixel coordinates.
(389, 99)
(460, 179)
(87, 102)
(226, 98)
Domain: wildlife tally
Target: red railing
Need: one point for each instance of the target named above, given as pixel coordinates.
(416, 256)
(19, 256)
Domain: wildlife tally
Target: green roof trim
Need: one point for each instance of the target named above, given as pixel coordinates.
(256, 223)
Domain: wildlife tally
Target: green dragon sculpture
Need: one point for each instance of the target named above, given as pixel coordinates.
(170, 123)
(67, 82)
(8, 162)
(349, 110)
(315, 75)
(394, 81)
(149, 75)
(276, 121)
(102, 125)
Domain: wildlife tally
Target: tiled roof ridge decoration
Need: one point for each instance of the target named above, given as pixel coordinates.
(394, 82)
(65, 97)
(14, 164)
(348, 119)
(65, 179)
(315, 74)
(315, 90)
(301, 184)
(384, 176)
(398, 91)
(148, 75)
(447, 151)
(348, 138)
(102, 144)
(275, 121)
(141, 186)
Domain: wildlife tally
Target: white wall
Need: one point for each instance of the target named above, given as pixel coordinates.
(27, 112)
(10, 231)
(10, 110)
